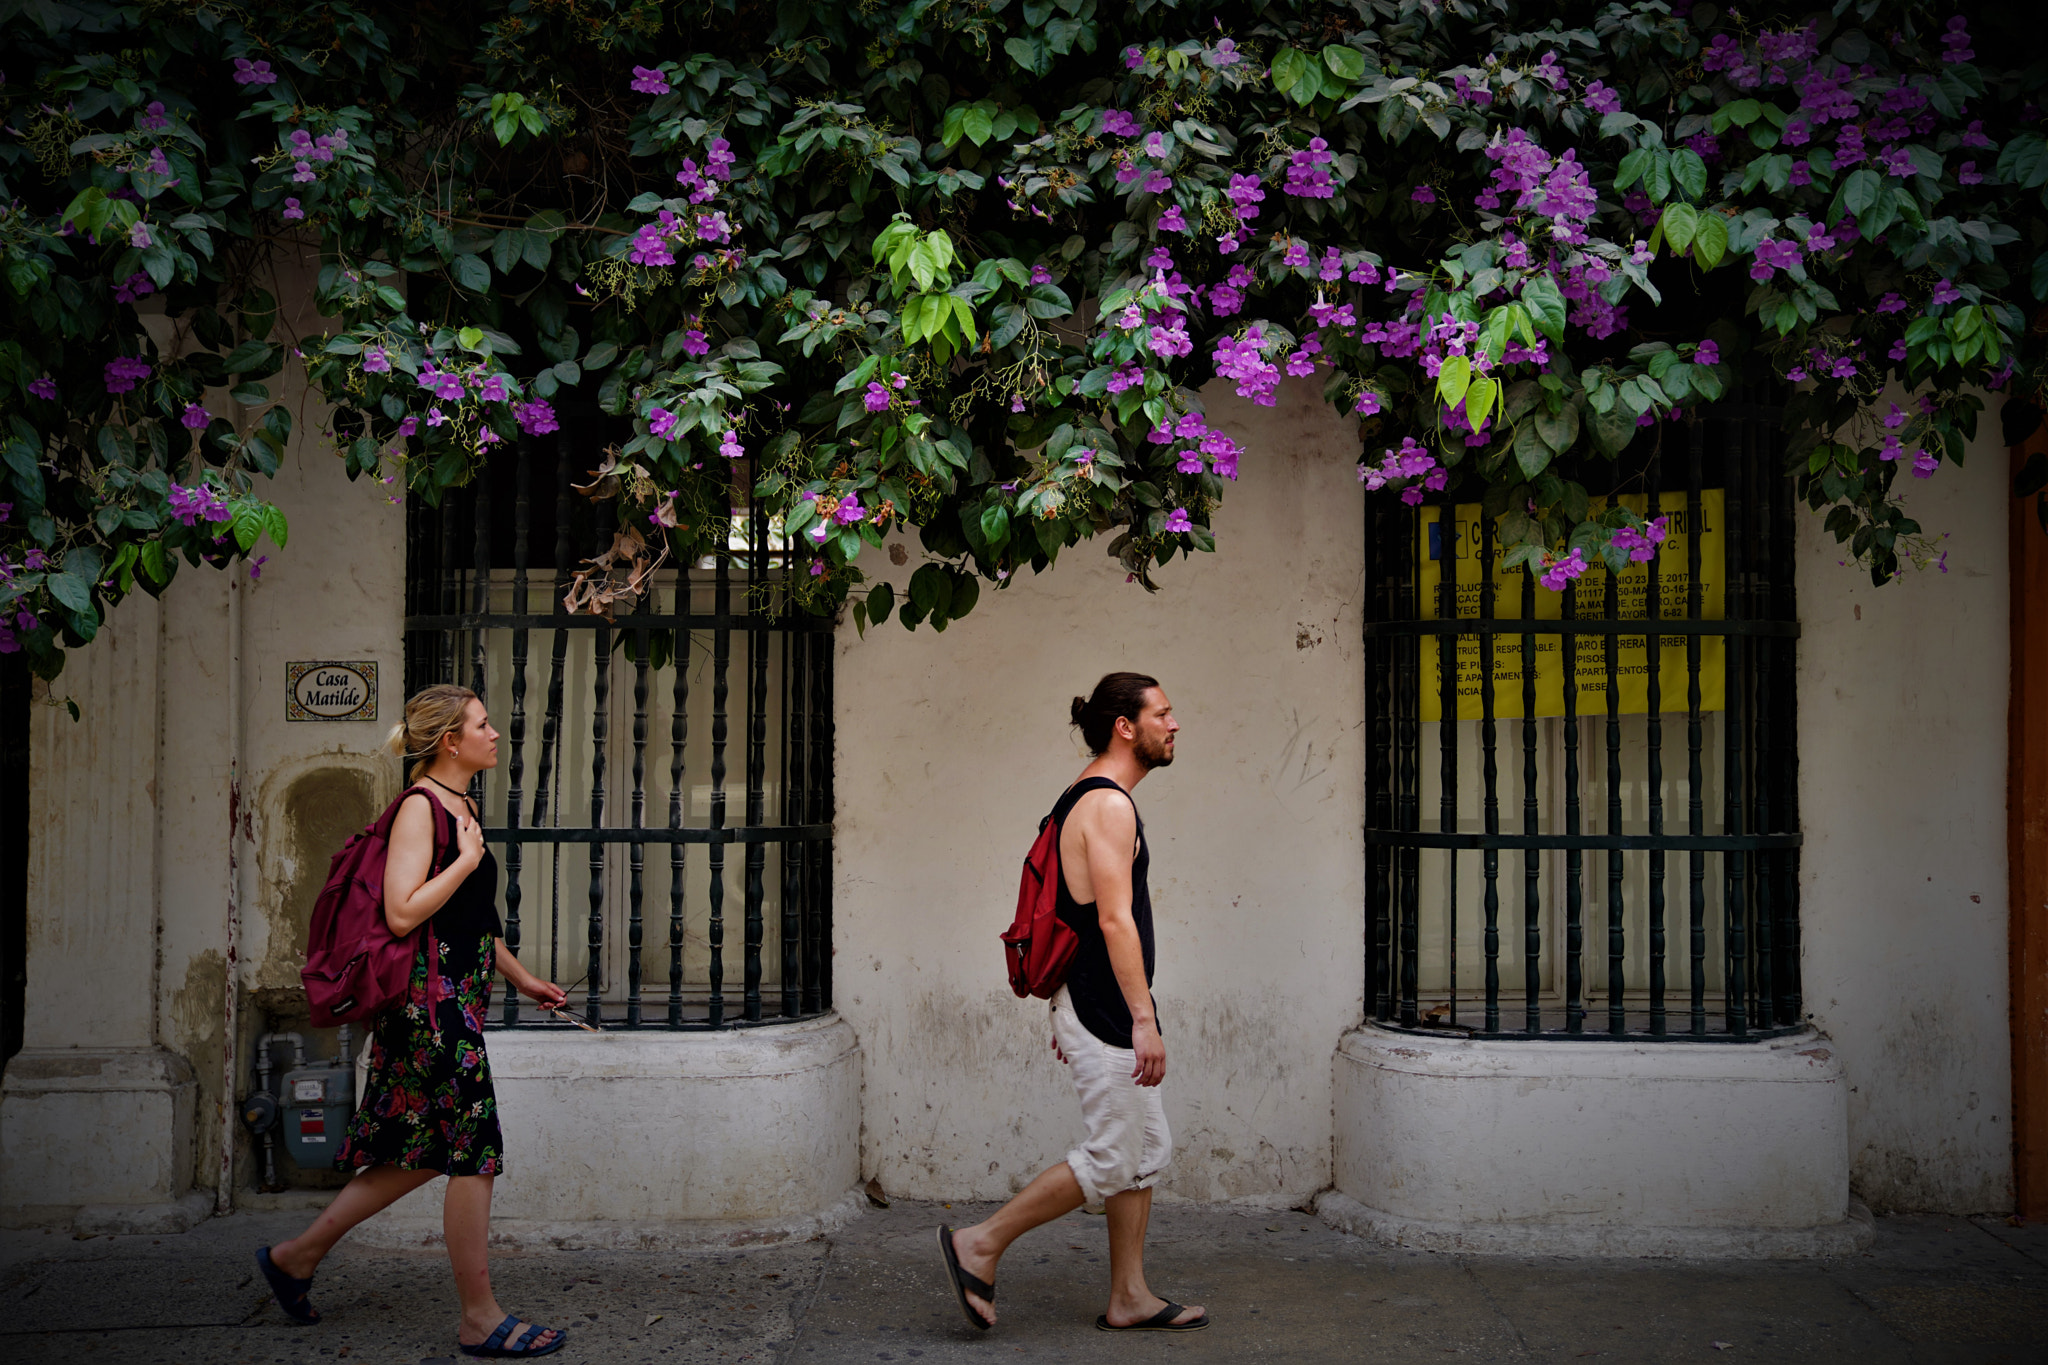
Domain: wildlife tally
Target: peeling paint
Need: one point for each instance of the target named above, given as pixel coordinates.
(196, 1034)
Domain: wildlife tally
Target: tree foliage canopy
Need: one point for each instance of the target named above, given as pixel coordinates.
(964, 265)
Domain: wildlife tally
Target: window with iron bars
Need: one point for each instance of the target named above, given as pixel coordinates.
(662, 807)
(1606, 844)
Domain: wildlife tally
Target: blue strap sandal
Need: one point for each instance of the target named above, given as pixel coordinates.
(290, 1293)
(497, 1347)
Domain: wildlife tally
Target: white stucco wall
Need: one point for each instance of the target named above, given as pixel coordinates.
(952, 747)
(1902, 727)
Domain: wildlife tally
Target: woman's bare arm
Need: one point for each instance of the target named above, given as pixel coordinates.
(410, 897)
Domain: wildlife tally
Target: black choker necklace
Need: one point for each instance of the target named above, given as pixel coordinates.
(445, 787)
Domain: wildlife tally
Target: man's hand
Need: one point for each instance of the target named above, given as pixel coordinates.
(1150, 1051)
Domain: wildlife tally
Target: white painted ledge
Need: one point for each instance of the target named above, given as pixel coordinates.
(1593, 1148)
(663, 1140)
(99, 1137)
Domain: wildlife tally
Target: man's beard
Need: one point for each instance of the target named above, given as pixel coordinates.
(1152, 755)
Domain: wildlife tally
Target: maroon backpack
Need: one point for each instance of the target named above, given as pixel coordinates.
(355, 966)
(1038, 945)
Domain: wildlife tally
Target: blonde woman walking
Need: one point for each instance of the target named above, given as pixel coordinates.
(428, 1107)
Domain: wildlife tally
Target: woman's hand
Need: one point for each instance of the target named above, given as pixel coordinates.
(469, 841)
(544, 993)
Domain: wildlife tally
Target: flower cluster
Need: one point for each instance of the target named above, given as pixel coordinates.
(200, 503)
(1198, 447)
(123, 372)
(1411, 468)
(1641, 545)
(1308, 176)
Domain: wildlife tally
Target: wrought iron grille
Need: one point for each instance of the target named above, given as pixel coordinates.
(577, 898)
(1700, 639)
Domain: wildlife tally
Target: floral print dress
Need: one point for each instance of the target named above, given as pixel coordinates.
(428, 1104)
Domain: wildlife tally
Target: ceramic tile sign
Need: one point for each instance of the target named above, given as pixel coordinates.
(330, 690)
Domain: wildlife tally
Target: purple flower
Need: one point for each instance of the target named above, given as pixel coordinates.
(376, 361)
(440, 383)
(1118, 123)
(1173, 220)
(651, 246)
(648, 81)
(253, 73)
(1422, 194)
(695, 343)
(303, 174)
(409, 426)
(1707, 353)
(292, 211)
(1641, 545)
(34, 562)
(1040, 275)
(43, 387)
(1924, 463)
(729, 444)
(1893, 448)
(1224, 54)
(122, 372)
(536, 418)
(256, 567)
(1368, 403)
(195, 417)
(493, 390)
(1134, 57)
(133, 288)
(718, 158)
(1564, 569)
(849, 510)
(139, 238)
(1968, 174)
(1945, 292)
(662, 423)
(152, 119)
(1892, 303)
(1957, 41)
(1602, 100)
(190, 505)
(876, 399)
(1177, 522)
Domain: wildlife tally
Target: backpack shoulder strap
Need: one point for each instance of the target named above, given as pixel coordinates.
(1072, 796)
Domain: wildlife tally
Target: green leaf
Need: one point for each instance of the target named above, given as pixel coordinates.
(1710, 240)
(470, 272)
(246, 522)
(1680, 223)
(1546, 305)
(276, 526)
(1531, 454)
(995, 525)
(1690, 171)
(1558, 429)
(1479, 401)
(601, 355)
(1290, 65)
(977, 123)
(250, 355)
(1453, 379)
(70, 590)
(1347, 64)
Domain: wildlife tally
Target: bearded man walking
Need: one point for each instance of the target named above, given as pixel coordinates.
(1105, 1026)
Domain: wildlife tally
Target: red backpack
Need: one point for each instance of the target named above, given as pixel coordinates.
(1038, 945)
(355, 966)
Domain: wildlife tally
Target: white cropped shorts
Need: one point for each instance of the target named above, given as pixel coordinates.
(1128, 1143)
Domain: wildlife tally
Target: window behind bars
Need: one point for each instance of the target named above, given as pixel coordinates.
(1606, 843)
(662, 805)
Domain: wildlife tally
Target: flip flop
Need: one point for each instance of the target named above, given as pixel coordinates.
(496, 1347)
(290, 1293)
(964, 1283)
(1162, 1321)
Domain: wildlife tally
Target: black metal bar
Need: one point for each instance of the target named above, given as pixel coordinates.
(1617, 931)
(1574, 920)
(1653, 607)
(678, 736)
(515, 725)
(636, 853)
(721, 658)
(1735, 594)
(757, 759)
(1447, 727)
(480, 598)
(1784, 698)
(599, 714)
(792, 852)
(1408, 743)
(1532, 824)
(551, 732)
(1695, 814)
(818, 851)
(1489, 776)
(1379, 722)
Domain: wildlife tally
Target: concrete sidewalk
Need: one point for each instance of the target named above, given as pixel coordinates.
(1281, 1287)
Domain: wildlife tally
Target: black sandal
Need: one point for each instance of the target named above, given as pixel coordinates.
(290, 1293)
(964, 1283)
(1162, 1321)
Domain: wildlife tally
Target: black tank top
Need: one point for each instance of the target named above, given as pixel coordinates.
(1091, 982)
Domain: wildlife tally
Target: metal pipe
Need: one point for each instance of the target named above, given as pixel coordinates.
(263, 1084)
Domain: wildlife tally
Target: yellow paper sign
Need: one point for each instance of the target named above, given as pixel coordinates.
(1631, 652)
